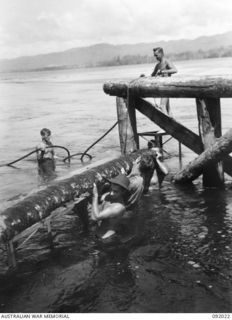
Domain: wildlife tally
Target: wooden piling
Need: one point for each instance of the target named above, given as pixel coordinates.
(127, 127)
(209, 124)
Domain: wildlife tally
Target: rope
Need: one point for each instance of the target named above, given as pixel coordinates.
(30, 153)
(10, 163)
(83, 154)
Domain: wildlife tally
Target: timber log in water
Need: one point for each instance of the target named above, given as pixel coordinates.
(41, 204)
(213, 154)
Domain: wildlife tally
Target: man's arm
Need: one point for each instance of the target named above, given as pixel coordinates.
(161, 169)
(113, 210)
(154, 73)
(40, 150)
(171, 69)
(161, 165)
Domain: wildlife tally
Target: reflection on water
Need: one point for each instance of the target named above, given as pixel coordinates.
(182, 262)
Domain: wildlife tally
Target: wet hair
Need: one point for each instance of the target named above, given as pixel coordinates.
(158, 49)
(147, 163)
(44, 131)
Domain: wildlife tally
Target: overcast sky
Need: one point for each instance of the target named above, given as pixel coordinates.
(29, 27)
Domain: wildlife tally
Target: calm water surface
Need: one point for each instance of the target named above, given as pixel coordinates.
(180, 260)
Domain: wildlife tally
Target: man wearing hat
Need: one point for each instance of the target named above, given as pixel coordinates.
(113, 207)
(125, 192)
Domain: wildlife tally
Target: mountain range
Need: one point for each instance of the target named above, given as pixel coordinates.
(100, 54)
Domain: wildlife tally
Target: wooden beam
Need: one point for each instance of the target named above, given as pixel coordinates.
(214, 153)
(209, 123)
(132, 116)
(126, 126)
(171, 126)
(176, 86)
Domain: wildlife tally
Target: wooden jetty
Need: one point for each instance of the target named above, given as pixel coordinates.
(212, 149)
(207, 92)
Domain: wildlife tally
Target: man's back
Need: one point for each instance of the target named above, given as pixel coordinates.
(136, 188)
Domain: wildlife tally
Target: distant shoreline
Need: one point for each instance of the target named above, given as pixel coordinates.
(114, 63)
(108, 55)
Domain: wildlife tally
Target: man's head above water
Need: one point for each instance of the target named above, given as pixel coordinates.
(119, 187)
(45, 134)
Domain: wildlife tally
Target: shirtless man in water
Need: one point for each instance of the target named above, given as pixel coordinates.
(113, 205)
(125, 193)
(45, 154)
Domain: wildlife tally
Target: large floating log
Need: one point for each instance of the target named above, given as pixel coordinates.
(176, 86)
(41, 204)
(215, 153)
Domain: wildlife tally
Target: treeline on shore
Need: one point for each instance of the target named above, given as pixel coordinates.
(187, 55)
(142, 59)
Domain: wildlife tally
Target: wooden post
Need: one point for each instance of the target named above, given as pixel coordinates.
(159, 141)
(126, 125)
(209, 123)
(132, 116)
(214, 153)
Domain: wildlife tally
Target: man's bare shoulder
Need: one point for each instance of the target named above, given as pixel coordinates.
(115, 206)
(41, 145)
(168, 61)
(118, 206)
(112, 210)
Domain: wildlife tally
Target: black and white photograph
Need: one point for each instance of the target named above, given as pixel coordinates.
(116, 159)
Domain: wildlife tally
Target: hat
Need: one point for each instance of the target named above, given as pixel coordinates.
(121, 180)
